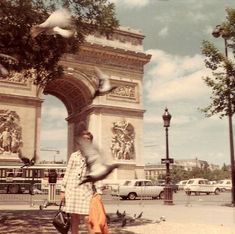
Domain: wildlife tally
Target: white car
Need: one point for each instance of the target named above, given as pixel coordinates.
(200, 185)
(225, 185)
(132, 189)
(181, 184)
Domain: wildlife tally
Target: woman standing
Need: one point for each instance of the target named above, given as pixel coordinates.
(77, 197)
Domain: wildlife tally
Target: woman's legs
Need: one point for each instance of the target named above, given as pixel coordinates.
(75, 220)
(86, 220)
(74, 223)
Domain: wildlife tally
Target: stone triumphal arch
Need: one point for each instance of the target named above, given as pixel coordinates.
(116, 119)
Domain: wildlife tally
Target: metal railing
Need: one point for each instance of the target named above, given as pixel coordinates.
(28, 193)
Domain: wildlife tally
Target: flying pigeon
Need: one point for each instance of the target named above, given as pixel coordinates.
(55, 24)
(27, 162)
(97, 170)
(104, 85)
(10, 60)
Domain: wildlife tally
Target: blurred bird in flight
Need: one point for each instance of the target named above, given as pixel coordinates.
(59, 22)
(97, 169)
(104, 85)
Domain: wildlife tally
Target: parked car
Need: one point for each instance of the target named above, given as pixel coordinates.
(200, 185)
(174, 187)
(181, 184)
(132, 189)
(225, 185)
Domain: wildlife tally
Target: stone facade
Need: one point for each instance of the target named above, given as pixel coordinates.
(20, 113)
(116, 119)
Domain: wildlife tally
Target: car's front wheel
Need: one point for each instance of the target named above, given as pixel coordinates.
(132, 196)
(217, 191)
(161, 195)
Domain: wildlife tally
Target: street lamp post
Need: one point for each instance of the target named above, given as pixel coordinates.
(217, 32)
(168, 193)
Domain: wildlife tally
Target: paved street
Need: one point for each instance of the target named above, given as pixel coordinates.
(179, 198)
(194, 213)
(16, 219)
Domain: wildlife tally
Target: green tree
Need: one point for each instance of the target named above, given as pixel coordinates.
(38, 57)
(222, 81)
(178, 173)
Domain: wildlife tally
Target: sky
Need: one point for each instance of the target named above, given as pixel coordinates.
(174, 31)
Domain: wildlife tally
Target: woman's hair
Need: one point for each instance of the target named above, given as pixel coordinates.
(87, 133)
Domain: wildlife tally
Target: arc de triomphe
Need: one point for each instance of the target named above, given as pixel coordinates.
(116, 119)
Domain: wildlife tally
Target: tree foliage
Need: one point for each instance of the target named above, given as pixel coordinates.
(178, 173)
(222, 81)
(38, 57)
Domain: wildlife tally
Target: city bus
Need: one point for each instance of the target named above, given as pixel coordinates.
(15, 179)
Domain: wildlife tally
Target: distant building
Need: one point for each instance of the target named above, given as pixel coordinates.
(156, 171)
(189, 164)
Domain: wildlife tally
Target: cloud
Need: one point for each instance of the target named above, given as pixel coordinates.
(197, 16)
(53, 117)
(54, 135)
(131, 3)
(54, 113)
(53, 155)
(179, 120)
(174, 77)
(163, 32)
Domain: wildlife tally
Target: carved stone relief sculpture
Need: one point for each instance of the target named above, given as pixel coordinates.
(122, 146)
(10, 132)
(125, 91)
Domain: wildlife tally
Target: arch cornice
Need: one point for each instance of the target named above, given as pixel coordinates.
(104, 109)
(107, 55)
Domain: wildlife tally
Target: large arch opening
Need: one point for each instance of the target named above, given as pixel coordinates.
(54, 132)
(64, 98)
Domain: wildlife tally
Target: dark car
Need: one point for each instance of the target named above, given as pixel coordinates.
(174, 186)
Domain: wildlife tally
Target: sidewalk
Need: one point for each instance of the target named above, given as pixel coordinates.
(179, 219)
(182, 219)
